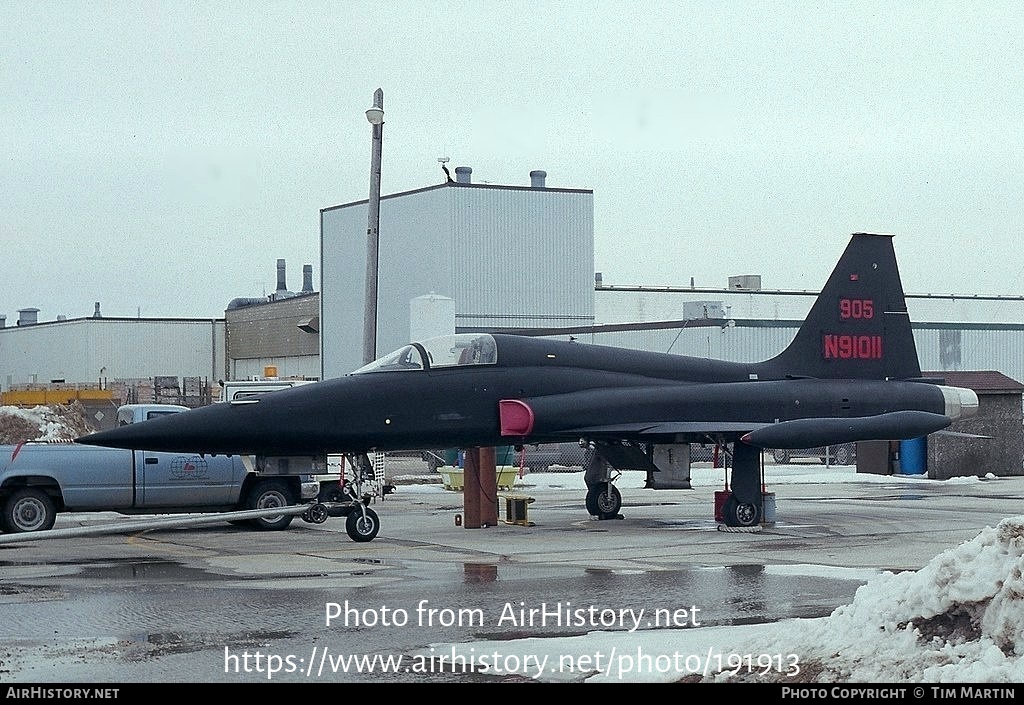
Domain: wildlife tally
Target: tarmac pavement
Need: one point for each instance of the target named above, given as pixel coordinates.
(219, 603)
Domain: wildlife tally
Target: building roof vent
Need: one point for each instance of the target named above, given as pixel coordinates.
(28, 316)
(464, 174)
(282, 285)
(750, 282)
(307, 279)
(537, 178)
(281, 282)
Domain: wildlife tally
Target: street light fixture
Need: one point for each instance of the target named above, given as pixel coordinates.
(375, 116)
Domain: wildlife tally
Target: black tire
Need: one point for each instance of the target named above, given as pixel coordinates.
(781, 456)
(843, 455)
(362, 527)
(604, 500)
(265, 495)
(737, 513)
(28, 509)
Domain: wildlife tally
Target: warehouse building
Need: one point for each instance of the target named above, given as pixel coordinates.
(99, 350)
(505, 256)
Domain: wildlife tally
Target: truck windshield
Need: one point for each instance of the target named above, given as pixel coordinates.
(446, 351)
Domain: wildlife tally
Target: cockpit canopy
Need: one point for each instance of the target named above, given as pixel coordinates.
(455, 350)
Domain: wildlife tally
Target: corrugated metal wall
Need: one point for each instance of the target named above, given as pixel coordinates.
(508, 257)
(83, 350)
(522, 258)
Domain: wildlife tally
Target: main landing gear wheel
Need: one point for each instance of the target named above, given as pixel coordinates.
(362, 524)
(737, 513)
(604, 500)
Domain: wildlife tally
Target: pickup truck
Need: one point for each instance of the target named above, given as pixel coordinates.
(39, 480)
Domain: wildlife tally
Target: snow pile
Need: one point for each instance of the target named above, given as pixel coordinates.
(960, 618)
(59, 422)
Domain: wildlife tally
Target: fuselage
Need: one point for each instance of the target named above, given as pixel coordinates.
(414, 400)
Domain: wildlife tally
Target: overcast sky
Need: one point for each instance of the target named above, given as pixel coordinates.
(159, 157)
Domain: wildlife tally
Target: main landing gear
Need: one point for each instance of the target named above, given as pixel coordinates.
(604, 501)
(603, 498)
(744, 507)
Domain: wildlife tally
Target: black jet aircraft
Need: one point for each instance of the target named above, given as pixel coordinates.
(850, 374)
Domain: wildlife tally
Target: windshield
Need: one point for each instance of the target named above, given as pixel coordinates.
(446, 351)
(405, 358)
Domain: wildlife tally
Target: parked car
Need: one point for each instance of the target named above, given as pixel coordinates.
(844, 454)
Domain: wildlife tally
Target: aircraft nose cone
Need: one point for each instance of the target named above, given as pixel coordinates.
(188, 431)
(134, 437)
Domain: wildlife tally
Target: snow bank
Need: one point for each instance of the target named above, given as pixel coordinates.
(42, 423)
(960, 618)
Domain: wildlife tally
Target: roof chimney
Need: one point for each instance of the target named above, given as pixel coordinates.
(307, 279)
(463, 174)
(3, 320)
(28, 316)
(281, 287)
(96, 311)
(537, 178)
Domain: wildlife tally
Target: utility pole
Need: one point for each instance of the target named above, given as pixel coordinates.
(375, 116)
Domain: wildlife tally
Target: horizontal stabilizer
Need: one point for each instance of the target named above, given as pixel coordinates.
(811, 433)
(960, 434)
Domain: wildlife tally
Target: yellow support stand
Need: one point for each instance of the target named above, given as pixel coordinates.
(515, 509)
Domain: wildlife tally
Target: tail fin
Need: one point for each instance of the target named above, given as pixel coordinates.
(859, 327)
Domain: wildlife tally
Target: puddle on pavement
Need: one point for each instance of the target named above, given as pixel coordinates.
(149, 571)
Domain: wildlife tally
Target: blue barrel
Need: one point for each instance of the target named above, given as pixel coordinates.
(506, 455)
(914, 456)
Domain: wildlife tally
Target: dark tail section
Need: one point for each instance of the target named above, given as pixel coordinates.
(859, 327)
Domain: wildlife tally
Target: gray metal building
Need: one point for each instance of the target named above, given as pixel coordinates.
(104, 349)
(280, 331)
(508, 256)
(952, 332)
(283, 335)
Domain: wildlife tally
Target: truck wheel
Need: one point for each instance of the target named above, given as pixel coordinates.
(362, 528)
(28, 510)
(267, 495)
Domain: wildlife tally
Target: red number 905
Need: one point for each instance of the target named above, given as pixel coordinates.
(856, 308)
